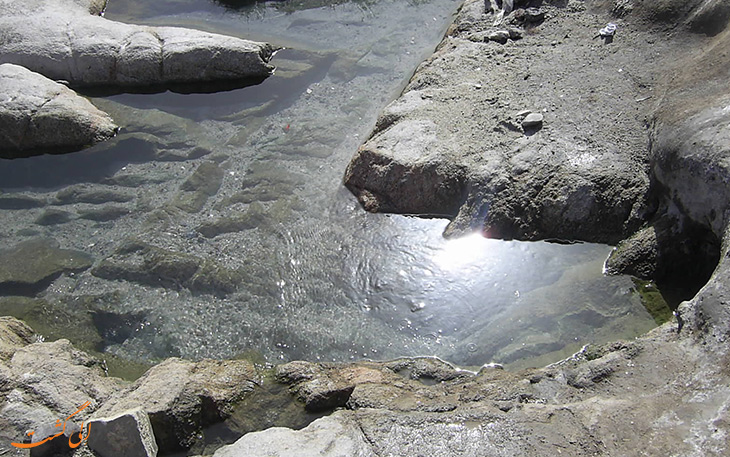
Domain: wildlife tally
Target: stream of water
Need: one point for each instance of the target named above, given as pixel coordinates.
(323, 279)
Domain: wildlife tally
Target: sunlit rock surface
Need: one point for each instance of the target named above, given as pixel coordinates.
(40, 115)
(62, 40)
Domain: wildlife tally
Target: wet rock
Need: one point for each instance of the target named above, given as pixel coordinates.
(61, 40)
(104, 214)
(254, 216)
(202, 184)
(207, 179)
(636, 255)
(54, 216)
(51, 320)
(41, 116)
(116, 328)
(95, 195)
(215, 279)
(128, 433)
(182, 397)
(32, 265)
(332, 436)
(427, 369)
(146, 264)
(14, 334)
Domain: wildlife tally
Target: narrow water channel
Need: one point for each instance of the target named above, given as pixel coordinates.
(299, 270)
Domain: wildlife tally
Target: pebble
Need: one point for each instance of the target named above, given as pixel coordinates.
(532, 120)
(500, 36)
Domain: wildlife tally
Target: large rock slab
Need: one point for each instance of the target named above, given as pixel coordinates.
(39, 115)
(61, 40)
(454, 144)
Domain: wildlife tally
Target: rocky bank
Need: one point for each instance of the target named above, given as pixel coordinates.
(631, 143)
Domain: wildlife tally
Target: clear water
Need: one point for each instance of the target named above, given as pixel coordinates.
(323, 280)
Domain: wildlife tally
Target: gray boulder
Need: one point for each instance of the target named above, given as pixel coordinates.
(183, 397)
(39, 115)
(46, 382)
(62, 41)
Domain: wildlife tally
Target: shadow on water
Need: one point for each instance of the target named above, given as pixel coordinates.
(90, 165)
(276, 93)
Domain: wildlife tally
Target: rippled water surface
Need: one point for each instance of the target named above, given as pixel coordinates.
(318, 278)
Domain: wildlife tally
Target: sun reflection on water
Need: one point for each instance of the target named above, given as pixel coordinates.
(459, 253)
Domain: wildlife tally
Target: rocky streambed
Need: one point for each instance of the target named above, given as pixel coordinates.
(629, 145)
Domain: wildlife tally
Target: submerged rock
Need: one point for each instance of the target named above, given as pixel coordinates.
(201, 185)
(30, 266)
(38, 115)
(146, 264)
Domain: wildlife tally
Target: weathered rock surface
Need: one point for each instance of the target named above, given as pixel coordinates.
(62, 41)
(128, 433)
(32, 265)
(14, 334)
(39, 115)
(446, 147)
(665, 385)
(332, 436)
(182, 397)
(592, 403)
(46, 382)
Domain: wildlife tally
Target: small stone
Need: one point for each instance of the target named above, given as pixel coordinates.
(515, 33)
(532, 121)
(500, 36)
